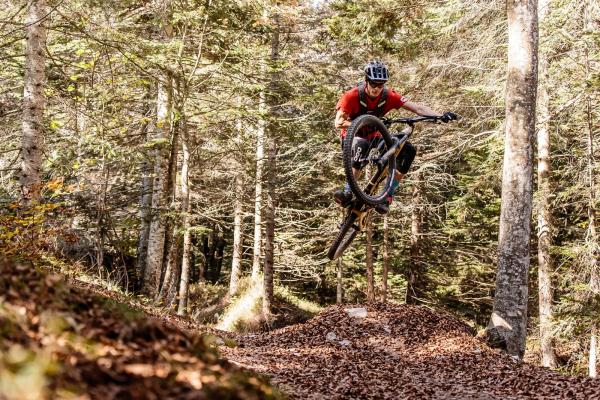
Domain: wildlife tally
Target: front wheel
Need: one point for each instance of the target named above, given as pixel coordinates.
(372, 184)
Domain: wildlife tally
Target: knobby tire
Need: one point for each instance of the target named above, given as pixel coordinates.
(345, 236)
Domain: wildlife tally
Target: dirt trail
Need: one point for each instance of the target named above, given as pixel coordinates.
(396, 352)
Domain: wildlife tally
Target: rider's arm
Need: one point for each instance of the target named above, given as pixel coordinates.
(420, 109)
(342, 120)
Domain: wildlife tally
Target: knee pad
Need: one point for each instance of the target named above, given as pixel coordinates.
(360, 147)
(405, 158)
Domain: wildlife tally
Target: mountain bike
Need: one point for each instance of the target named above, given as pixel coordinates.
(377, 167)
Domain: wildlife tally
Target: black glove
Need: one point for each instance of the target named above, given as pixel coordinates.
(449, 116)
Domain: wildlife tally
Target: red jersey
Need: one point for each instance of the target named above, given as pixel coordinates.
(349, 103)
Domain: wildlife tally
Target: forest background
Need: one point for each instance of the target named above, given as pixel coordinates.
(193, 142)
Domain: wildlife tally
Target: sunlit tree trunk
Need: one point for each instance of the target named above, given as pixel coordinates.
(269, 231)
(186, 262)
(186, 210)
(508, 325)
(145, 207)
(271, 203)
(171, 264)
(238, 217)
(385, 259)
(34, 102)
(544, 212)
(414, 280)
(592, 245)
(156, 237)
(258, 188)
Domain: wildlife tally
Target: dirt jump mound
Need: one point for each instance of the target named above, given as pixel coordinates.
(388, 351)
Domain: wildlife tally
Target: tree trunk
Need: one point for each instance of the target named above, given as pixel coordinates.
(214, 247)
(369, 260)
(508, 325)
(218, 257)
(145, 209)
(199, 262)
(172, 291)
(238, 218)
(268, 268)
(101, 215)
(209, 253)
(385, 259)
(80, 127)
(34, 103)
(156, 237)
(260, 138)
(339, 298)
(186, 210)
(414, 279)
(269, 232)
(545, 225)
(172, 246)
(593, 357)
(171, 273)
(592, 246)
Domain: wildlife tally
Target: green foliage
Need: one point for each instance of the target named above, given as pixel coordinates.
(105, 59)
(383, 26)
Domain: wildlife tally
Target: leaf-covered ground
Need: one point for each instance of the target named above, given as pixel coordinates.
(60, 338)
(396, 352)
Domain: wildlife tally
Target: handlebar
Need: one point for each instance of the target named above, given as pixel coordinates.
(411, 121)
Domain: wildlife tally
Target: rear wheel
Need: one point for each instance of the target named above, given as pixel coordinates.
(372, 185)
(346, 235)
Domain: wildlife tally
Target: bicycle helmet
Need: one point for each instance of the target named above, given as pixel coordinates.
(376, 71)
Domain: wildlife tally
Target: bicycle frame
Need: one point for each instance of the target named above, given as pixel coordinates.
(363, 210)
(382, 162)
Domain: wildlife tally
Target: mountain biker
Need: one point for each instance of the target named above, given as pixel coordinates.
(371, 97)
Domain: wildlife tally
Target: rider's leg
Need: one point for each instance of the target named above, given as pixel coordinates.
(398, 176)
(403, 163)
